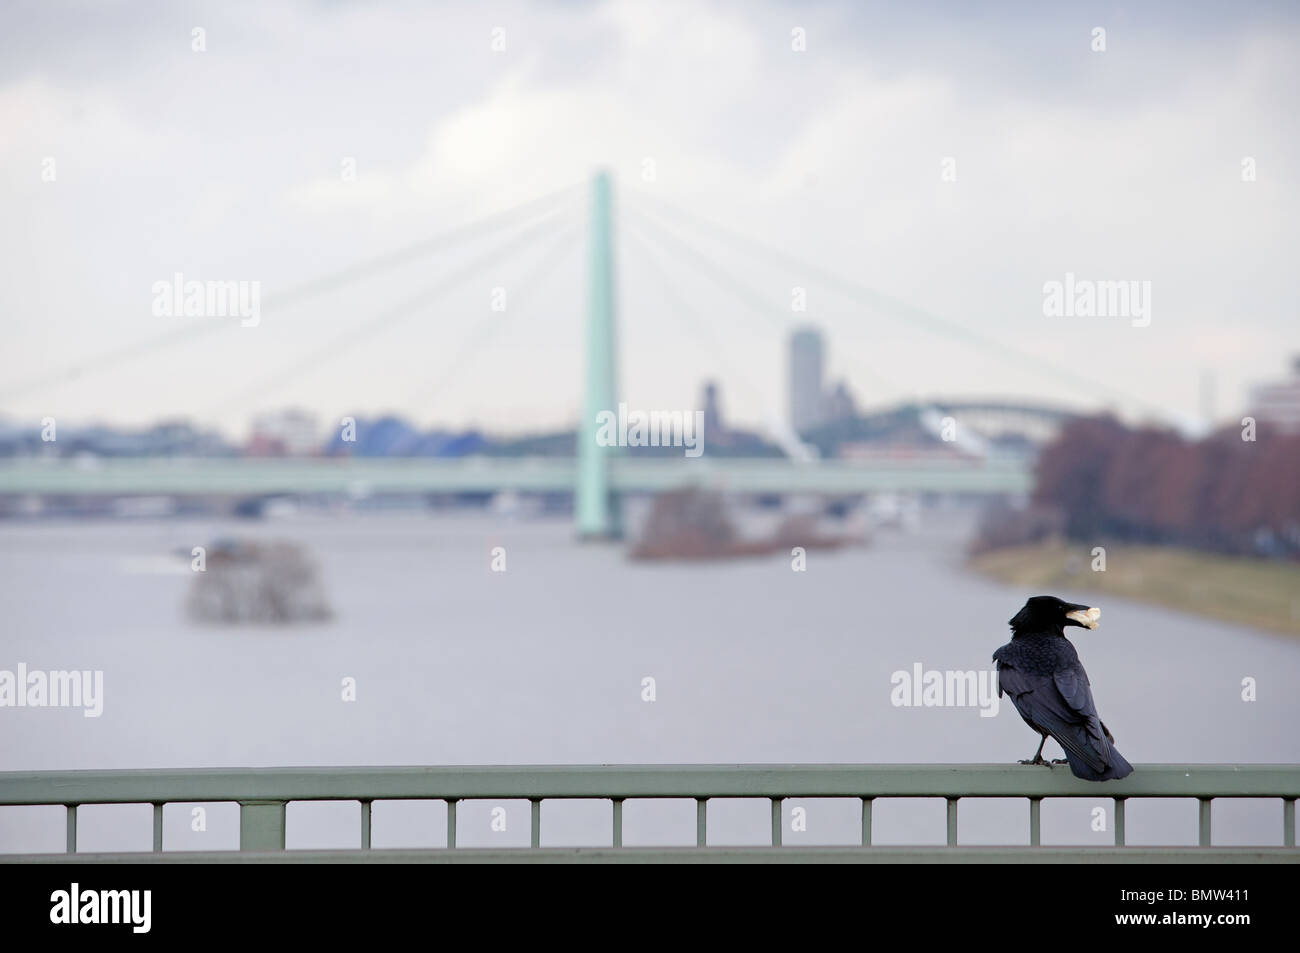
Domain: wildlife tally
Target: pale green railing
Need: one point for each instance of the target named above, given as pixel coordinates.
(263, 795)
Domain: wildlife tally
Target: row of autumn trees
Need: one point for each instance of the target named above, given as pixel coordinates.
(1225, 492)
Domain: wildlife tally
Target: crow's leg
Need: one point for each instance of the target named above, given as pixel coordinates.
(1038, 755)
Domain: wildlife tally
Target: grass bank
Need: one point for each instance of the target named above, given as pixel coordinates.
(1246, 591)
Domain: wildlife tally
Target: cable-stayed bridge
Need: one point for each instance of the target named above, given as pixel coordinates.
(659, 233)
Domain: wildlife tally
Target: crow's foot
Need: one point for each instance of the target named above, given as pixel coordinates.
(1037, 759)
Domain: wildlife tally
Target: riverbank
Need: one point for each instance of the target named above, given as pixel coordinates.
(1245, 591)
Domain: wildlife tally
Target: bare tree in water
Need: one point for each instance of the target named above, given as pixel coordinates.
(274, 582)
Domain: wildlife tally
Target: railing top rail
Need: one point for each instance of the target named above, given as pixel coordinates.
(637, 781)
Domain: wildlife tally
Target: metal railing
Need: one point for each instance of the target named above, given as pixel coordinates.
(264, 794)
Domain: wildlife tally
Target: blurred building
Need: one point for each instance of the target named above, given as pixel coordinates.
(839, 404)
(712, 410)
(807, 360)
(181, 438)
(1278, 403)
(393, 436)
(811, 404)
(173, 438)
(293, 433)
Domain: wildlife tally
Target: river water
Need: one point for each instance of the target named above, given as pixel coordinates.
(546, 662)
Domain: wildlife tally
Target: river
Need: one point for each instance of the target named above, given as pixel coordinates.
(546, 662)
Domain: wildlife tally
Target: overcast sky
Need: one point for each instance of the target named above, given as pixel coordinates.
(226, 164)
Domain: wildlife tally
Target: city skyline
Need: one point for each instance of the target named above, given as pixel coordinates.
(295, 431)
(1274, 400)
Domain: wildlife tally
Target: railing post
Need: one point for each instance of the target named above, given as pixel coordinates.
(451, 822)
(365, 825)
(1119, 822)
(618, 822)
(261, 825)
(1205, 820)
(1288, 822)
(776, 821)
(72, 828)
(952, 821)
(1035, 822)
(701, 821)
(157, 826)
(866, 821)
(537, 821)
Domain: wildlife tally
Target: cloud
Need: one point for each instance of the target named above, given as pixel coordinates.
(40, 117)
(1122, 165)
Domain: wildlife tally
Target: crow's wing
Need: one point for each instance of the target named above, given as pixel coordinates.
(1060, 704)
(1090, 733)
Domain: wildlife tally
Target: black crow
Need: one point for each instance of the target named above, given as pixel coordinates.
(1041, 671)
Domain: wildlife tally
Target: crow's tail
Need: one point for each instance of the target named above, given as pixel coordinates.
(1116, 766)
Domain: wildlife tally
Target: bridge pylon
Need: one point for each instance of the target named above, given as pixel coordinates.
(596, 509)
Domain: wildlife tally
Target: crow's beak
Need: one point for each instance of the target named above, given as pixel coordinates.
(1089, 618)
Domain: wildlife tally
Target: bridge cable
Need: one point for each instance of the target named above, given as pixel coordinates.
(296, 294)
(380, 263)
(892, 307)
(689, 316)
(736, 287)
(536, 279)
(387, 319)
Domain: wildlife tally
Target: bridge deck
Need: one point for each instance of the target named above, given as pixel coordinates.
(157, 476)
